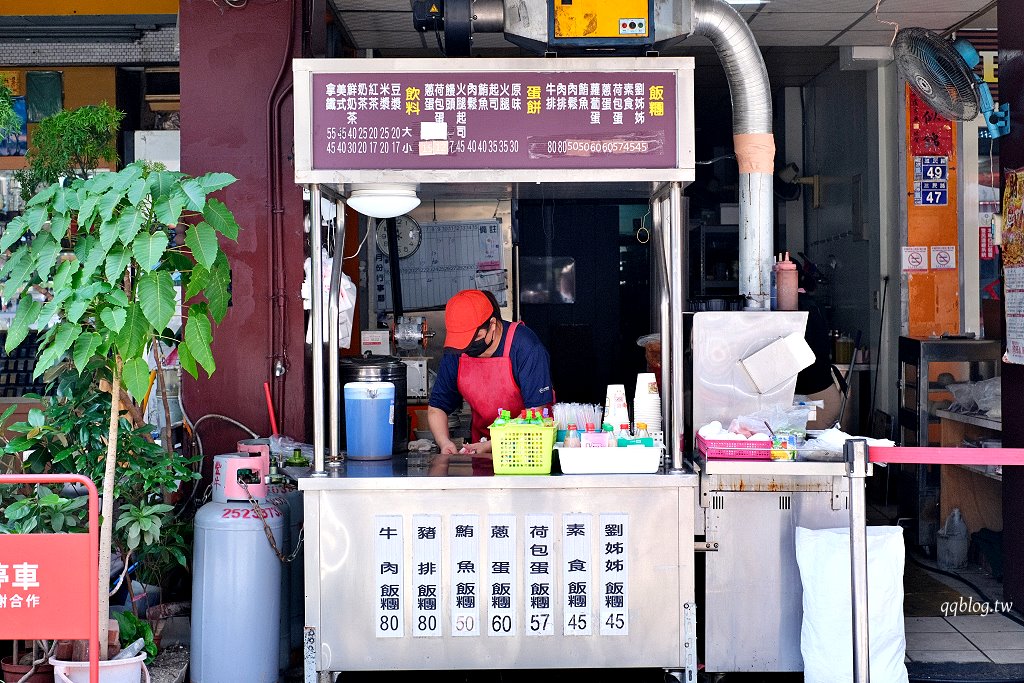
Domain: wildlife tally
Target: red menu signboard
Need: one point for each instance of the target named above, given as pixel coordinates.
(494, 120)
(44, 588)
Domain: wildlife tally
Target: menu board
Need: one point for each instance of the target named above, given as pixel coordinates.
(494, 120)
(1013, 264)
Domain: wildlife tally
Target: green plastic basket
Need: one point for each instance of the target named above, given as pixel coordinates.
(522, 449)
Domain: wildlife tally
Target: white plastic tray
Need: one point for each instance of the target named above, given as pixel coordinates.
(632, 460)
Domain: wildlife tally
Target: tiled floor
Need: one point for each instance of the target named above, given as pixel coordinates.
(989, 638)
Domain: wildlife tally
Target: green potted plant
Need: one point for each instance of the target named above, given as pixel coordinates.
(69, 144)
(113, 296)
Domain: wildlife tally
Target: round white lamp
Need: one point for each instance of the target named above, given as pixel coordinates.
(383, 200)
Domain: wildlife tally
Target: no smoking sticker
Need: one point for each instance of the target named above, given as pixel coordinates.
(943, 258)
(915, 258)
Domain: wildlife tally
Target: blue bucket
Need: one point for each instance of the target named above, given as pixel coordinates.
(369, 420)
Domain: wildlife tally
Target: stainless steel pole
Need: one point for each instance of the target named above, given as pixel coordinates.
(316, 277)
(677, 261)
(856, 451)
(665, 315)
(333, 320)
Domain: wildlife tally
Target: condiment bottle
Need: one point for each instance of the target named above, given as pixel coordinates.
(641, 430)
(609, 435)
(572, 437)
(592, 438)
(787, 283)
(623, 435)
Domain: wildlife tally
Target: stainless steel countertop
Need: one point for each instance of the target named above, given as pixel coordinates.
(422, 471)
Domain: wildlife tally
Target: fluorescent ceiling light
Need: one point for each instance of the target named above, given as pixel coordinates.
(747, 2)
(384, 200)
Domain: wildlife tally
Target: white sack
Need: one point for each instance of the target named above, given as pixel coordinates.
(826, 635)
(346, 302)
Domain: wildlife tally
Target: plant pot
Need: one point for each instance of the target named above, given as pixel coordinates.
(14, 672)
(131, 670)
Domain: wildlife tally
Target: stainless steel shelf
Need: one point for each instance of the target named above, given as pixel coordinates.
(970, 419)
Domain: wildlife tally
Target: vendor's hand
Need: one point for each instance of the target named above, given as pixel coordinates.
(477, 449)
(448, 448)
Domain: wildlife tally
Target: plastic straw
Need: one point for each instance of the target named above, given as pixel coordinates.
(270, 408)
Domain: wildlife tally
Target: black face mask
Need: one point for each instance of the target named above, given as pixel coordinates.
(477, 346)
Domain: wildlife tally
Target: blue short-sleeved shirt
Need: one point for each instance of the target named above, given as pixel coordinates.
(531, 369)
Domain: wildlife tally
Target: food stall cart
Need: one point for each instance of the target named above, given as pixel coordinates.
(449, 572)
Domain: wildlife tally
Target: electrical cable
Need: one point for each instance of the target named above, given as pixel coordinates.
(953, 575)
(878, 352)
(360, 247)
(715, 160)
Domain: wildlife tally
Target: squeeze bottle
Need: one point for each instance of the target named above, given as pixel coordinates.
(787, 284)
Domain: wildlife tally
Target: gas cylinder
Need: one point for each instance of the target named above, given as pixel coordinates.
(288, 499)
(236, 587)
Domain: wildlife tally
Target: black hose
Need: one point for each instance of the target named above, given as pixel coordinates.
(935, 570)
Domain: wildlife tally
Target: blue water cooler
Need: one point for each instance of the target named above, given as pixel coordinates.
(369, 420)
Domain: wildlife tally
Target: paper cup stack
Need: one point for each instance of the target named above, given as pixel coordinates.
(616, 408)
(647, 402)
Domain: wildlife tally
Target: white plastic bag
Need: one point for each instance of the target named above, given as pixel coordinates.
(346, 302)
(826, 636)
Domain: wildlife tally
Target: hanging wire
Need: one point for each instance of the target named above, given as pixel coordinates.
(895, 26)
(715, 160)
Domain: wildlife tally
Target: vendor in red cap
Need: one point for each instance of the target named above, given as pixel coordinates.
(491, 363)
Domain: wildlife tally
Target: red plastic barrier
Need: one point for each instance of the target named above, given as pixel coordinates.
(922, 455)
(49, 583)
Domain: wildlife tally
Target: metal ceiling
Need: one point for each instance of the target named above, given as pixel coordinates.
(799, 38)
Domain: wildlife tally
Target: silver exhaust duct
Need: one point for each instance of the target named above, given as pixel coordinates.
(752, 140)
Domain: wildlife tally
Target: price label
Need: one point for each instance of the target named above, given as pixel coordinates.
(538, 575)
(465, 575)
(577, 574)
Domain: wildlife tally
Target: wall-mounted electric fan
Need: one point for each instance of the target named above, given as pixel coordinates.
(941, 72)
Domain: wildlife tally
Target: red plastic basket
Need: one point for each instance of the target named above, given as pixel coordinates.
(724, 449)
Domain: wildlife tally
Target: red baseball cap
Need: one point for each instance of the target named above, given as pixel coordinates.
(463, 316)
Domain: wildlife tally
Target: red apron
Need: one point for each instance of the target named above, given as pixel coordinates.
(488, 386)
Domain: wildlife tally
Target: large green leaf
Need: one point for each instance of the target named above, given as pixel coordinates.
(137, 191)
(16, 272)
(193, 191)
(74, 311)
(108, 234)
(219, 216)
(94, 258)
(108, 202)
(117, 260)
(162, 182)
(28, 311)
(127, 176)
(131, 340)
(202, 240)
(45, 251)
(199, 278)
(148, 248)
(43, 195)
(85, 349)
(135, 375)
(199, 337)
(129, 223)
(53, 352)
(218, 291)
(12, 232)
(211, 182)
(87, 213)
(100, 182)
(188, 363)
(59, 224)
(53, 307)
(156, 297)
(168, 209)
(65, 271)
(117, 297)
(114, 318)
(36, 218)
